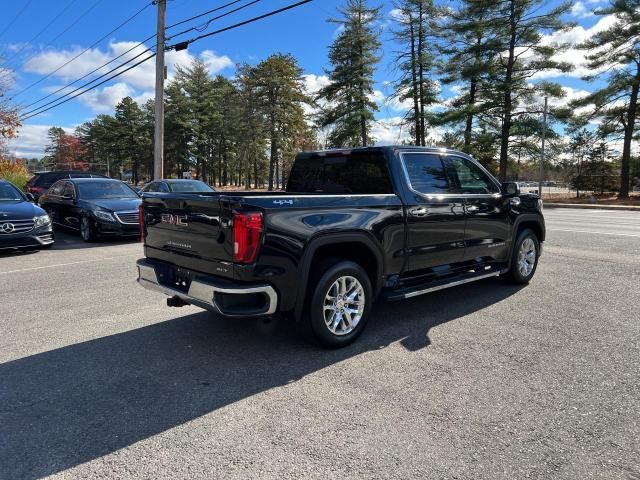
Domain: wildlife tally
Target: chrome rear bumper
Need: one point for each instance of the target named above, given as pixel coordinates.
(202, 293)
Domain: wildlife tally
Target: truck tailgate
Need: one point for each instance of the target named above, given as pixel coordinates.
(190, 231)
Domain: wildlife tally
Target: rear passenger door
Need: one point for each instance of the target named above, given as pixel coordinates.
(435, 215)
(488, 220)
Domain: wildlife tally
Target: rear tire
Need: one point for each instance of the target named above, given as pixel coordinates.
(339, 307)
(524, 258)
(87, 230)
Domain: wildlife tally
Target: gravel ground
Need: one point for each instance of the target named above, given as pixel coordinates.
(99, 379)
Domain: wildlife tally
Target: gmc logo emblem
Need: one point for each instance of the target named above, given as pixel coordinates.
(181, 221)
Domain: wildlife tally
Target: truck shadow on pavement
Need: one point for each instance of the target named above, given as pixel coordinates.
(64, 407)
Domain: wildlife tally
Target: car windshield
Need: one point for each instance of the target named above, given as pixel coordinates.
(8, 193)
(93, 190)
(186, 187)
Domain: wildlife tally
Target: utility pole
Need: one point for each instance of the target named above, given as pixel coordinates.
(158, 150)
(544, 134)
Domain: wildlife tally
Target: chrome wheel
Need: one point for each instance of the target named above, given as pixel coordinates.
(344, 305)
(527, 257)
(85, 229)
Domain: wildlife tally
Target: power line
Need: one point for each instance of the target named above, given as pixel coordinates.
(83, 51)
(178, 46)
(90, 88)
(73, 24)
(11, 22)
(92, 72)
(143, 43)
(88, 83)
(205, 25)
(183, 45)
(37, 35)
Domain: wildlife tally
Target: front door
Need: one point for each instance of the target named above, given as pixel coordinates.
(488, 220)
(68, 206)
(435, 215)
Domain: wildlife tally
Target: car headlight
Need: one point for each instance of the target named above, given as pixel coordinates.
(41, 221)
(104, 216)
(540, 204)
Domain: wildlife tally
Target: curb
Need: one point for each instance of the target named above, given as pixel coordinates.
(591, 206)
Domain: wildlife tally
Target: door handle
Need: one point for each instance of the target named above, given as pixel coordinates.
(419, 211)
(472, 208)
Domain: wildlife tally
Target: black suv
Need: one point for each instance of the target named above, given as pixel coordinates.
(40, 182)
(353, 226)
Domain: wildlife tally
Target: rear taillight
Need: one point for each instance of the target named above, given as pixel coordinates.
(35, 189)
(141, 221)
(247, 232)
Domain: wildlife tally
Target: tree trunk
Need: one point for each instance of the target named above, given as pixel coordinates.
(274, 152)
(423, 135)
(414, 82)
(506, 121)
(628, 136)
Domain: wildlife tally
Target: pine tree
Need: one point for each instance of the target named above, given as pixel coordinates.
(519, 26)
(415, 21)
(617, 50)
(469, 48)
(353, 56)
(279, 92)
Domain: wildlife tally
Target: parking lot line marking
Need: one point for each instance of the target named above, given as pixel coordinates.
(597, 233)
(65, 264)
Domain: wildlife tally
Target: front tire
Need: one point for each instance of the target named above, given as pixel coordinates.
(340, 304)
(87, 230)
(524, 259)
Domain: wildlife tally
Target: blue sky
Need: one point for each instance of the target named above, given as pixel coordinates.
(303, 32)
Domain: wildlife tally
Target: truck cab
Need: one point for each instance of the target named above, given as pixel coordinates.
(352, 227)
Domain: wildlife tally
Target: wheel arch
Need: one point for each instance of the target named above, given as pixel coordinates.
(358, 247)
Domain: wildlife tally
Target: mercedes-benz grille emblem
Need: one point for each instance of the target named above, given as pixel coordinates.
(7, 227)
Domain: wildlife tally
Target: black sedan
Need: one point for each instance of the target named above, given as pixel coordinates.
(94, 207)
(176, 186)
(23, 225)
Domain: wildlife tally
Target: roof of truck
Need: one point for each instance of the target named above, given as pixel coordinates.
(413, 148)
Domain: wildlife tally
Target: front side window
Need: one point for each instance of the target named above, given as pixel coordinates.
(426, 173)
(471, 178)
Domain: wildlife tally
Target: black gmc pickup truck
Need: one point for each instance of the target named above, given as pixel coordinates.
(352, 226)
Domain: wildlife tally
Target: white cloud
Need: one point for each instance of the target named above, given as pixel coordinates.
(30, 142)
(215, 63)
(579, 10)
(142, 77)
(313, 83)
(104, 100)
(573, 55)
(389, 131)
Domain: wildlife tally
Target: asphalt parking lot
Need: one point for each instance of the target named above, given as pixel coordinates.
(98, 378)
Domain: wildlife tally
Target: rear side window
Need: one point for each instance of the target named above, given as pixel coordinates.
(356, 173)
(426, 173)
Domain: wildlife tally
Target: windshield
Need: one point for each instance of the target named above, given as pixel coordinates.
(93, 190)
(8, 193)
(186, 187)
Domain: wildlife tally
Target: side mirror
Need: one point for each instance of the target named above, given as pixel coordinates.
(30, 197)
(510, 189)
